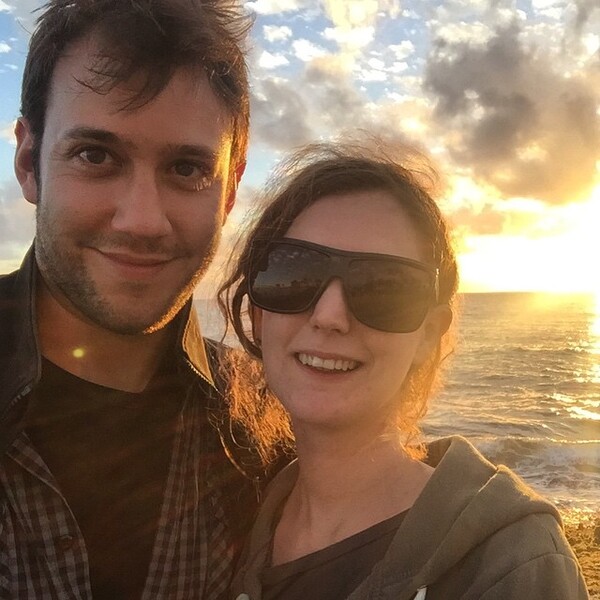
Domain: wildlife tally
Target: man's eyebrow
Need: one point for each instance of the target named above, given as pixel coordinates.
(200, 151)
(203, 152)
(91, 133)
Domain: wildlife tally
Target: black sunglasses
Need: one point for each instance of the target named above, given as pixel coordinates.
(384, 292)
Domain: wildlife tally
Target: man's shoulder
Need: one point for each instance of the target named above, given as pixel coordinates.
(7, 284)
(16, 288)
(11, 301)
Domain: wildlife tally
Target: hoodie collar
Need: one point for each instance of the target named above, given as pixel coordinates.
(470, 485)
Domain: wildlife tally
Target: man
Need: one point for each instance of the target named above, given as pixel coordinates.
(132, 139)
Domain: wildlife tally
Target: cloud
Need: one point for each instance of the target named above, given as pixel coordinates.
(5, 7)
(354, 20)
(280, 117)
(274, 33)
(515, 120)
(585, 9)
(356, 38)
(374, 70)
(402, 50)
(348, 14)
(4, 48)
(272, 61)
(17, 225)
(272, 7)
(7, 132)
(24, 11)
(306, 50)
(464, 33)
(550, 9)
(320, 102)
(323, 101)
(467, 220)
(327, 83)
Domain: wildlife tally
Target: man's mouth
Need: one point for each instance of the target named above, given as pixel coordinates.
(136, 260)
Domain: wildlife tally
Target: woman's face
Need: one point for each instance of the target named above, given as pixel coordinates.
(294, 346)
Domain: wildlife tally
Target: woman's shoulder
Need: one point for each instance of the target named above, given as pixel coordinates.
(478, 529)
(529, 556)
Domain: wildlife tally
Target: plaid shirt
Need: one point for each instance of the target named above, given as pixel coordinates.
(43, 554)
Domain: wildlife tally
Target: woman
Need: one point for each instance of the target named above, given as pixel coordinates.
(350, 279)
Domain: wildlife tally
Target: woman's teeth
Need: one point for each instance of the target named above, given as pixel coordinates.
(328, 364)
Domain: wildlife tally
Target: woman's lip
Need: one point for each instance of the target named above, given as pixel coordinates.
(328, 365)
(326, 355)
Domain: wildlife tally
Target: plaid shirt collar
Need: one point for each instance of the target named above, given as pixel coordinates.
(20, 361)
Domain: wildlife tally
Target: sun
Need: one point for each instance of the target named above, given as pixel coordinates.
(580, 244)
(559, 263)
(593, 224)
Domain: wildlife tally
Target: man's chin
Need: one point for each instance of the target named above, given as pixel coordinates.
(128, 323)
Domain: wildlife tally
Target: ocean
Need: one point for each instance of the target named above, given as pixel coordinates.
(523, 384)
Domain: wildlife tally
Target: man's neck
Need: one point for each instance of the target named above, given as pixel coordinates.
(103, 357)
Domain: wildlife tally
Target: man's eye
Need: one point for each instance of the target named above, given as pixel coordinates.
(192, 175)
(95, 156)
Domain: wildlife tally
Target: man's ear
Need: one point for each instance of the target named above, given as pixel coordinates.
(24, 160)
(437, 322)
(256, 315)
(231, 194)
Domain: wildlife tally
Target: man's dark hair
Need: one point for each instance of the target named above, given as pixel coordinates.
(152, 38)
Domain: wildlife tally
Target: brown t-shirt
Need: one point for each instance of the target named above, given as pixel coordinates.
(109, 452)
(334, 572)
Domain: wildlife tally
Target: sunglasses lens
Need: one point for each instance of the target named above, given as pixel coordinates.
(388, 295)
(289, 279)
(384, 294)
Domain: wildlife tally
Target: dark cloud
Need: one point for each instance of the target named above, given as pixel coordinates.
(519, 123)
(333, 95)
(483, 221)
(585, 8)
(280, 116)
(320, 103)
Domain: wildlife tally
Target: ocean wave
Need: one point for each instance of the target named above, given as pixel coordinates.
(567, 472)
(551, 451)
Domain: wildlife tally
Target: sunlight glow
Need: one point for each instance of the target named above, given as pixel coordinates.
(527, 260)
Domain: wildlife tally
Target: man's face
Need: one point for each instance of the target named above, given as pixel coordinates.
(129, 203)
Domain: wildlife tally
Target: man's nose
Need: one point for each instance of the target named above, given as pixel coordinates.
(141, 209)
(330, 312)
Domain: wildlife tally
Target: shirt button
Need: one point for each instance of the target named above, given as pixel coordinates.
(65, 542)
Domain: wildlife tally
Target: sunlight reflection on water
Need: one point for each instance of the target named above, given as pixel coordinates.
(595, 325)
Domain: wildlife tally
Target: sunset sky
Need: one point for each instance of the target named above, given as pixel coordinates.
(504, 95)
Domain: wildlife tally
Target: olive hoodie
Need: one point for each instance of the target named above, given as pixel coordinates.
(475, 532)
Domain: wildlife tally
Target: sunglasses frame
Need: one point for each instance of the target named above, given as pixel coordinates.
(338, 268)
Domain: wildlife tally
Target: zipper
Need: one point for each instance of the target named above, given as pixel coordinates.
(5, 431)
(26, 390)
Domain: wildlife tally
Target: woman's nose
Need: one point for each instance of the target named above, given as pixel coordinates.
(330, 311)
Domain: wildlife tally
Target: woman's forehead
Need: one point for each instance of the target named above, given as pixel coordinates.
(365, 221)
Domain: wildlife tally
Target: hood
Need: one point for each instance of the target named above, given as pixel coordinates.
(458, 510)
